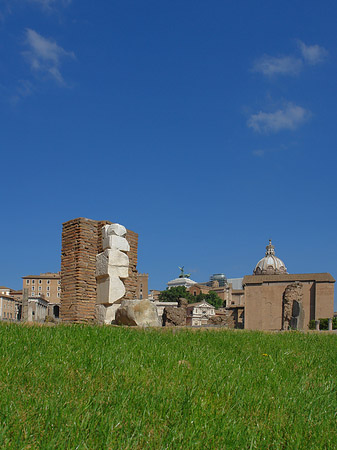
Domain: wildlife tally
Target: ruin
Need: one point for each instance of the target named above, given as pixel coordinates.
(82, 240)
(111, 268)
(293, 313)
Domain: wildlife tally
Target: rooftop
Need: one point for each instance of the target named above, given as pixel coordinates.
(286, 277)
(44, 275)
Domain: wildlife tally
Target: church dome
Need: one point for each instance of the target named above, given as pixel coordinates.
(270, 264)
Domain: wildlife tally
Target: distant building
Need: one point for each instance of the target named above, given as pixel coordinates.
(154, 295)
(230, 291)
(46, 285)
(197, 314)
(10, 308)
(4, 290)
(276, 300)
(17, 295)
(41, 296)
(39, 309)
(183, 280)
(142, 286)
(219, 277)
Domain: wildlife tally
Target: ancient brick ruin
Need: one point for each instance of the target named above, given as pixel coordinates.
(81, 242)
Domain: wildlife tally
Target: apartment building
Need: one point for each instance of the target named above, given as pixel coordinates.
(10, 309)
(46, 286)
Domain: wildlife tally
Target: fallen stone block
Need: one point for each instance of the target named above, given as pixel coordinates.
(142, 313)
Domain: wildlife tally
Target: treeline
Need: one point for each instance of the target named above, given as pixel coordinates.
(173, 294)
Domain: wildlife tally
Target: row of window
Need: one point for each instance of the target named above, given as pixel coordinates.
(9, 316)
(40, 281)
(40, 293)
(48, 288)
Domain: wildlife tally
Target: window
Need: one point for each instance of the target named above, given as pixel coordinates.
(40, 288)
(32, 294)
(33, 281)
(27, 281)
(48, 295)
(48, 281)
(58, 294)
(48, 288)
(59, 282)
(58, 288)
(33, 288)
(40, 281)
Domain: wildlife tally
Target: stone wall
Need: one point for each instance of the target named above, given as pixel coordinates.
(264, 298)
(81, 242)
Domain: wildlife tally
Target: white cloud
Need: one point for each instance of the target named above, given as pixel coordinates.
(50, 4)
(288, 118)
(312, 54)
(45, 55)
(283, 65)
(290, 65)
(258, 153)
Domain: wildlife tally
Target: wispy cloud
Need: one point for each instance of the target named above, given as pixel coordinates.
(312, 54)
(282, 65)
(288, 118)
(8, 7)
(24, 89)
(45, 55)
(50, 4)
(258, 153)
(288, 64)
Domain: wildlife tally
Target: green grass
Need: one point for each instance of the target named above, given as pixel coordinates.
(90, 387)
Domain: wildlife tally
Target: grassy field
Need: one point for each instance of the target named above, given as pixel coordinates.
(90, 387)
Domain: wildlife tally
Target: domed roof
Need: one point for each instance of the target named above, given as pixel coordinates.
(270, 264)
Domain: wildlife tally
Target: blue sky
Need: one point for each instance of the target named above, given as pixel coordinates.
(206, 127)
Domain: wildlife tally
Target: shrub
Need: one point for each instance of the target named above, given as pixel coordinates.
(324, 324)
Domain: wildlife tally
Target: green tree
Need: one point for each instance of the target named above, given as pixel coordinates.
(213, 299)
(174, 294)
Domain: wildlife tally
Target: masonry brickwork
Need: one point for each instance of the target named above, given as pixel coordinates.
(81, 242)
(264, 298)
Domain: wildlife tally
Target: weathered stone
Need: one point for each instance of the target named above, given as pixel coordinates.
(173, 317)
(112, 265)
(81, 242)
(223, 320)
(293, 312)
(182, 302)
(106, 314)
(330, 324)
(141, 313)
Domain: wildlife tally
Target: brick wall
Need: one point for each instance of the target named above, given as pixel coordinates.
(131, 282)
(81, 242)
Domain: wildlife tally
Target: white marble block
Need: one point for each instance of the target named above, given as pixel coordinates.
(112, 265)
(113, 237)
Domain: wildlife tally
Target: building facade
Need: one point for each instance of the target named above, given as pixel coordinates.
(277, 300)
(46, 285)
(10, 308)
(142, 291)
(197, 314)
